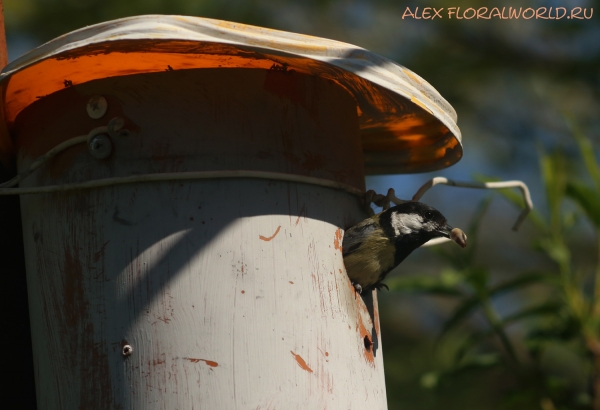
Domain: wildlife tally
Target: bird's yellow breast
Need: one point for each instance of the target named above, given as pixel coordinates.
(375, 256)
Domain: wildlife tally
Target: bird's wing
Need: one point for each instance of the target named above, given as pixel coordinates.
(354, 236)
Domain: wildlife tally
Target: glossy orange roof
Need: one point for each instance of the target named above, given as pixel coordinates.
(406, 125)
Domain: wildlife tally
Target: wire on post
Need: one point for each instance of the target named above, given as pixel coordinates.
(483, 185)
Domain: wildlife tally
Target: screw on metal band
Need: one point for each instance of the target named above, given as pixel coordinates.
(127, 350)
(97, 107)
(100, 146)
(115, 128)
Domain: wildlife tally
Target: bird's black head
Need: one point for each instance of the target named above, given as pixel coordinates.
(414, 222)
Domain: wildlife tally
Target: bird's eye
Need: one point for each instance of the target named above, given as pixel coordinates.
(429, 215)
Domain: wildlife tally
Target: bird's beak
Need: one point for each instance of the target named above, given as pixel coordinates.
(455, 234)
(445, 230)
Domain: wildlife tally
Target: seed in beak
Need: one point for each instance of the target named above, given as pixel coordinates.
(458, 236)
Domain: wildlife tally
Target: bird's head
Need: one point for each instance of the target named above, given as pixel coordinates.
(418, 223)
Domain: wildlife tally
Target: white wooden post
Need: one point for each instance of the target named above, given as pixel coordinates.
(225, 293)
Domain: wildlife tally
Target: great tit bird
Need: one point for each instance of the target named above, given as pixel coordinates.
(380, 243)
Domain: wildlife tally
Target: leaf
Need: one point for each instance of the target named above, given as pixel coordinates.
(520, 281)
(570, 218)
(460, 314)
(482, 360)
(470, 304)
(453, 258)
(555, 249)
(430, 380)
(588, 154)
(479, 361)
(516, 199)
(549, 308)
(428, 285)
(461, 259)
(473, 340)
(450, 277)
(587, 199)
(552, 168)
(473, 230)
(482, 208)
(553, 174)
(557, 385)
(563, 329)
(478, 278)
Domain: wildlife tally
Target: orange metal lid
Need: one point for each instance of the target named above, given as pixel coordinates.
(406, 125)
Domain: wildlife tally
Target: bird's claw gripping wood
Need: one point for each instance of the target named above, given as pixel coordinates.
(379, 286)
(380, 200)
(358, 289)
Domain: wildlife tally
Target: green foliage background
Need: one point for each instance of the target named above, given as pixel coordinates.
(512, 323)
(553, 361)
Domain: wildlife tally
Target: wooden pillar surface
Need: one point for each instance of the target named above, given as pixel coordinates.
(232, 293)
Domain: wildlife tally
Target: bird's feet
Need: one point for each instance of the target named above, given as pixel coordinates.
(381, 285)
(357, 288)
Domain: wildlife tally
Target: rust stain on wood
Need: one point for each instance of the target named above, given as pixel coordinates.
(364, 333)
(366, 338)
(301, 362)
(71, 316)
(376, 316)
(337, 240)
(264, 238)
(100, 254)
(74, 303)
(160, 360)
(208, 362)
(301, 214)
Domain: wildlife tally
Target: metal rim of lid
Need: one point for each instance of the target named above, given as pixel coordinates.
(406, 125)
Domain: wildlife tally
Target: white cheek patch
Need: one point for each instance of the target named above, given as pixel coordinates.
(405, 224)
(430, 226)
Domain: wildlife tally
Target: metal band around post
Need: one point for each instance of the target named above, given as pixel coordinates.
(174, 176)
(369, 197)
